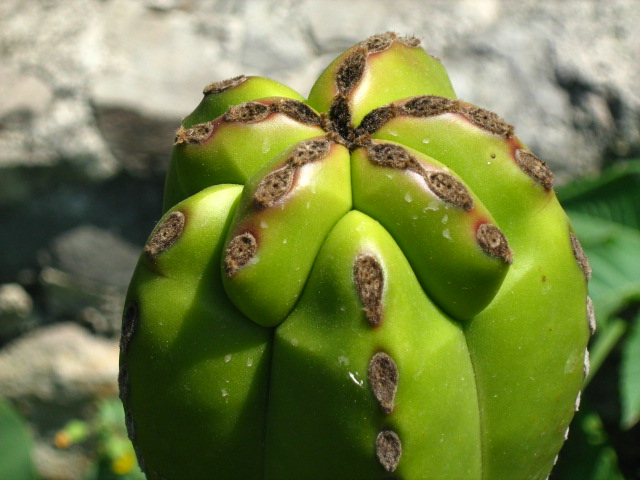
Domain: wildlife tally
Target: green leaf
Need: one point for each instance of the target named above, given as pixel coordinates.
(612, 249)
(15, 445)
(587, 455)
(630, 377)
(614, 195)
(605, 340)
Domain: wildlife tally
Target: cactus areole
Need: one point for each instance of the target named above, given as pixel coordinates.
(375, 282)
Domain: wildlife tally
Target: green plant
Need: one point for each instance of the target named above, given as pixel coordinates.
(15, 445)
(605, 211)
(105, 434)
(379, 280)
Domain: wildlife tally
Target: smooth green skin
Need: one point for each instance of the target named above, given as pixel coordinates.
(437, 238)
(191, 347)
(323, 419)
(289, 235)
(232, 154)
(395, 73)
(526, 348)
(542, 291)
(215, 104)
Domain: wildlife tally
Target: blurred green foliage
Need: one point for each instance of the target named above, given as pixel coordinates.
(604, 443)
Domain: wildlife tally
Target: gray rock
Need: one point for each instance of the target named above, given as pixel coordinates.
(16, 307)
(563, 72)
(86, 273)
(53, 375)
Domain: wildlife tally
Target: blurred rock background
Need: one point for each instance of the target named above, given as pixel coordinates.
(91, 92)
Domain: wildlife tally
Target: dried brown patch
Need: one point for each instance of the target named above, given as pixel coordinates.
(535, 168)
(429, 106)
(388, 449)
(380, 42)
(494, 243)
(248, 112)
(448, 189)
(389, 155)
(298, 111)
(241, 249)
(383, 380)
(165, 235)
(581, 257)
(273, 187)
(351, 69)
(196, 134)
(487, 120)
(123, 383)
(340, 116)
(375, 119)
(130, 320)
(308, 151)
(224, 85)
(409, 41)
(369, 280)
(587, 364)
(591, 316)
(131, 428)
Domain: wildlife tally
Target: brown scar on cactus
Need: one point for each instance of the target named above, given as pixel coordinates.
(375, 119)
(591, 316)
(580, 256)
(242, 248)
(494, 243)
(296, 110)
(587, 364)
(196, 134)
(224, 85)
(340, 118)
(130, 321)
(351, 70)
(448, 189)
(165, 235)
(123, 383)
(273, 187)
(487, 120)
(388, 449)
(131, 428)
(535, 168)
(383, 379)
(309, 151)
(248, 112)
(369, 280)
(430, 106)
(420, 107)
(389, 155)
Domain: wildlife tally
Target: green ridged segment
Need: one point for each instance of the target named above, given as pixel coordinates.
(438, 235)
(288, 234)
(196, 368)
(232, 151)
(379, 283)
(401, 70)
(219, 96)
(323, 417)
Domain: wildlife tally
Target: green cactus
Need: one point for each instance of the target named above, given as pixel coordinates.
(377, 281)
